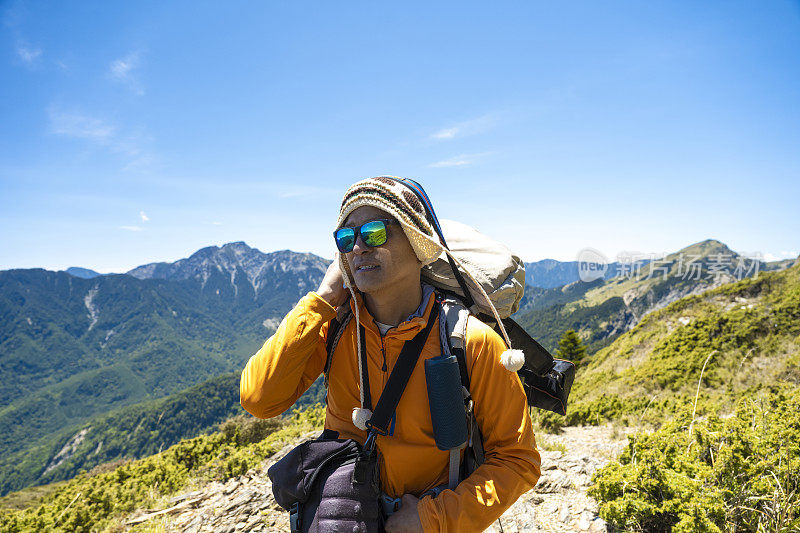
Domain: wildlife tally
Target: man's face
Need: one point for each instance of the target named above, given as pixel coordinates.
(392, 263)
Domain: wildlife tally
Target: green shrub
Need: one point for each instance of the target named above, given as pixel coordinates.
(244, 429)
(740, 473)
(92, 502)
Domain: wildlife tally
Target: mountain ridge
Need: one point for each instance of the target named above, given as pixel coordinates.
(552, 273)
(603, 309)
(78, 347)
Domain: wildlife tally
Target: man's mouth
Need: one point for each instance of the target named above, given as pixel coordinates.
(366, 268)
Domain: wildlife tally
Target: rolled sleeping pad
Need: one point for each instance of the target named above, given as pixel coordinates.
(446, 401)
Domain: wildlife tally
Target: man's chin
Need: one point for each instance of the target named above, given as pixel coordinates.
(368, 283)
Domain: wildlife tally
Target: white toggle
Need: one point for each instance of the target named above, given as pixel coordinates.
(360, 417)
(513, 360)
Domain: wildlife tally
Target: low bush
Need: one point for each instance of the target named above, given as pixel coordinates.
(94, 501)
(740, 473)
(244, 429)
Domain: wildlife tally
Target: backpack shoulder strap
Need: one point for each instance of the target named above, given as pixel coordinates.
(343, 316)
(454, 341)
(453, 326)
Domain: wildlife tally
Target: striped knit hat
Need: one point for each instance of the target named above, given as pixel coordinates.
(403, 205)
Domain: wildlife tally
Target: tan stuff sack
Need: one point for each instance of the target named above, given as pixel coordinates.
(500, 273)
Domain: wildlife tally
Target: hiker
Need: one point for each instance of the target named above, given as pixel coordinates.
(385, 238)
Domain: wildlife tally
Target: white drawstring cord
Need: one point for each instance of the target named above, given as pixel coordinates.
(360, 415)
(512, 359)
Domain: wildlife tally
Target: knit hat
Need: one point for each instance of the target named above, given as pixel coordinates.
(389, 195)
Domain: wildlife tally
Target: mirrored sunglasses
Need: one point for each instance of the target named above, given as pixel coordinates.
(373, 233)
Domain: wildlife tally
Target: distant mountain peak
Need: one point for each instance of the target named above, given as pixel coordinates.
(706, 248)
(233, 258)
(236, 245)
(80, 272)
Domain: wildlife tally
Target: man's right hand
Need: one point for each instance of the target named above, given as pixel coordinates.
(332, 287)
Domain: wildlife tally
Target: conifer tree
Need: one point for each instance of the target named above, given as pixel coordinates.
(571, 348)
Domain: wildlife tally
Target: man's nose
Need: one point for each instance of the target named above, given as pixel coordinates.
(359, 247)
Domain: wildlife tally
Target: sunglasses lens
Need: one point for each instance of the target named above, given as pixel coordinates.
(345, 239)
(373, 233)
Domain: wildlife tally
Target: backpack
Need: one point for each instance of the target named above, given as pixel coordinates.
(497, 279)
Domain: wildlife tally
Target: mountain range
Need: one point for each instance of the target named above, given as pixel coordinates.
(550, 273)
(714, 347)
(75, 349)
(602, 309)
(714, 362)
(72, 348)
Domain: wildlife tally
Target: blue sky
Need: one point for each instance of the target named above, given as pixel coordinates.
(134, 132)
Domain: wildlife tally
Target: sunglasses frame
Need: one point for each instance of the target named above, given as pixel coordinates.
(357, 232)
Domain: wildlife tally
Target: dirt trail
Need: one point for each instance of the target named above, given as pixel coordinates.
(557, 504)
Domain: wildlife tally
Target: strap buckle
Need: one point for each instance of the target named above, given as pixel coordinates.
(375, 429)
(390, 505)
(369, 444)
(295, 518)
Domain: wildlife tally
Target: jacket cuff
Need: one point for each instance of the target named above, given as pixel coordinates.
(426, 515)
(318, 304)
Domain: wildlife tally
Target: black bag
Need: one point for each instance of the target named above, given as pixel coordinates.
(547, 381)
(550, 391)
(314, 482)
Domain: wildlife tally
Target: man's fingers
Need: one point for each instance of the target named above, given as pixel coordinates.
(332, 286)
(406, 520)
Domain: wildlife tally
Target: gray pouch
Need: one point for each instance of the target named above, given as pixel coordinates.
(314, 482)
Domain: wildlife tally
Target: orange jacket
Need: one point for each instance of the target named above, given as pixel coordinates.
(294, 357)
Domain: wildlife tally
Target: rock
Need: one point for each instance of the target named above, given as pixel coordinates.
(585, 520)
(598, 525)
(564, 515)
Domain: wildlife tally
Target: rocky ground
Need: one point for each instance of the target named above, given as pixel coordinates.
(558, 503)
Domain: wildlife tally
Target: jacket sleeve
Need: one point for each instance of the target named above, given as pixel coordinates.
(512, 463)
(289, 361)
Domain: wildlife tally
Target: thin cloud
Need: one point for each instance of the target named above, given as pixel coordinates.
(132, 228)
(784, 254)
(27, 54)
(468, 127)
(121, 70)
(447, 133)
(80, 126)
(217, 223)
(144, 216)
(458, 161)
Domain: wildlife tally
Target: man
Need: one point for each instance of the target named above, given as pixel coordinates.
(385, 240)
